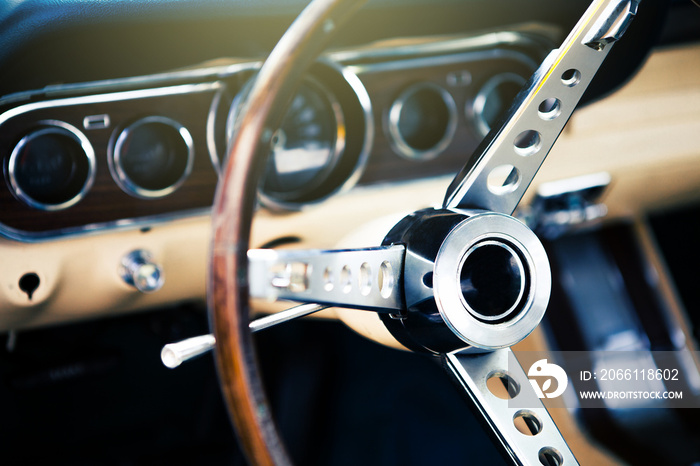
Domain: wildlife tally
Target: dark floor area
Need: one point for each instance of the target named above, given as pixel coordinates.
(96, 394)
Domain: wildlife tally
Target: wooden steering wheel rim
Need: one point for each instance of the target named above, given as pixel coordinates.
(231, 224)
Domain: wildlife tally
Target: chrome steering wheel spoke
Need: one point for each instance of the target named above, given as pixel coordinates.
(503, 166)
(497, 385)
(366, 278)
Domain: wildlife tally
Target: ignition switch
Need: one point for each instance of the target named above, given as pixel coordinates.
(140, 271)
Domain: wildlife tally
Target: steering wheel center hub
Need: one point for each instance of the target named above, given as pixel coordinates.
(479, 279)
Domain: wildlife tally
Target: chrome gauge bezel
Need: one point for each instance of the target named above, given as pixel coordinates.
(114, 159)
(337, 150)
(336, 153)
(52, 127)
(475, 109)
(222, 99)
(306, 197)
(398, 141)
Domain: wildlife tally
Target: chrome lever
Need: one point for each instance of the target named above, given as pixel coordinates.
(174, 354)
(505, 163)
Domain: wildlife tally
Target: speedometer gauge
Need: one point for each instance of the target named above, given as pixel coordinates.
(306, 148)
(321, 145)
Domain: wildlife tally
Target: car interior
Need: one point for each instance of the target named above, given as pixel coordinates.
(175, 169)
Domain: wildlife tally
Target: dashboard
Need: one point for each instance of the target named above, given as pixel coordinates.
(115, 118)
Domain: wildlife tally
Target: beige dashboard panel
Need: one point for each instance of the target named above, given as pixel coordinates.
(79, 277)
(646, 135)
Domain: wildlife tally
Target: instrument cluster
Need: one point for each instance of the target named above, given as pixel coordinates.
(136, 151)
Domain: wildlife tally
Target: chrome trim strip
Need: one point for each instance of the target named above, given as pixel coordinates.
(111, 86)
(92, 122)
(55, 127)
(464, 57)
(438, 47)
(120, 176)
(399, 143)
(30, 237)
(111, 97)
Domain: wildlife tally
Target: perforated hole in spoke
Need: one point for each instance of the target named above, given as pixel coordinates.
(527, 143)
(527, 423)
(549, 456)
(365, 279)
(328, 279)
(346, 279)
(571, 77)
(385, 280)
(503, 179)
(549, 109)
(503, 386)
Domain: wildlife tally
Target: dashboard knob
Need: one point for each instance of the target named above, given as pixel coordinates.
(138, 270)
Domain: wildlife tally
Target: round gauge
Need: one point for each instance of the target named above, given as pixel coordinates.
(52, 167)
(494, 99)
(152, 157)
(305, 149)
(422, 121)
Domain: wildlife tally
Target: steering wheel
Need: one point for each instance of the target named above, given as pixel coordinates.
(433, 281)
